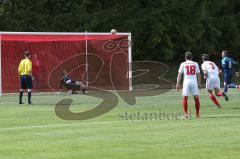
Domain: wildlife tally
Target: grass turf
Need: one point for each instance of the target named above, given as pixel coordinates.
(33, 132)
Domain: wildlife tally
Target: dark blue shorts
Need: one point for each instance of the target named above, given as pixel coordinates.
(26, 82)
(228, 78)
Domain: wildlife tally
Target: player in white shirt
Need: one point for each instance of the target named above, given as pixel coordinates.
(191, 82)
(211, 74)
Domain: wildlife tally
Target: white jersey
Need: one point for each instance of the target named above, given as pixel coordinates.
(189, 69)
(211, 69)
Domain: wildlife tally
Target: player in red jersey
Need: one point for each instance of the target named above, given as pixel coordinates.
(36, 70)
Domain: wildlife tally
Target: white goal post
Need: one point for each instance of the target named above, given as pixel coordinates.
(70, 33)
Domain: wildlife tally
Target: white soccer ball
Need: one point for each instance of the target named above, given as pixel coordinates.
(113, 31)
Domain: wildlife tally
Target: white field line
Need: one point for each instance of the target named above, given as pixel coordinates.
(57, 125)
(220, 115)
(101, 122)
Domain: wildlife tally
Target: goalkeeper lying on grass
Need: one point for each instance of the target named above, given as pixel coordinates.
(71, 85)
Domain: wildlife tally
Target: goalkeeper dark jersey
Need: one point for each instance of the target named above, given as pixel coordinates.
(67, 79)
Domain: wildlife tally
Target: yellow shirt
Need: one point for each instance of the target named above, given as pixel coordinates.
(25, 67)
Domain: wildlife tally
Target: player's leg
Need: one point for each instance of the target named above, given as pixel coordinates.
(238, 87)
(185, 93)
(238, 75)
(29, 87)
(29, 96)
(61, 84)
(23, 86)
(75, 87)
(185, 106)
(226, 82)
(217, 90)
(195, 93)
(225, 87)
(219, 93)
(83, 88)
(232, 85)
(20, 96)
(213, 98)
(197, 106)
(210, 85)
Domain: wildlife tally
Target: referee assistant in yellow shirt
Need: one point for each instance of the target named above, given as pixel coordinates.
(25, 73)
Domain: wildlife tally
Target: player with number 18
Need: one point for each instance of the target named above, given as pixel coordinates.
(191, 82)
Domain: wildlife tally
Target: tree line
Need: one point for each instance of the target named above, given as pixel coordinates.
(162, 29)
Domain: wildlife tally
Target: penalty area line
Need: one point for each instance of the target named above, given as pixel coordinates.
(56, 125)
(103, 122)
(223, 115)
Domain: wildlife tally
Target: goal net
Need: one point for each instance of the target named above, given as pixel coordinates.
(100, 60)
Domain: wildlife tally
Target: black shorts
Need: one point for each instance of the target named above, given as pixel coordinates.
(26, 82)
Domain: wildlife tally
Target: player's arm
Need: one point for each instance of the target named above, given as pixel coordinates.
(179, 77)
(20, 67)
(199, 79)
(205, 74)
(235, 64)
(223, 64)
(29, 69)
(72, 81)
(216, 67)
(198, 75)
(204, 71)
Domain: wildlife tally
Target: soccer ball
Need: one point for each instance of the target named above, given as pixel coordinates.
(113, 31)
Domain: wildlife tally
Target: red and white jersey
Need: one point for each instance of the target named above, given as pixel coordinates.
(211, 68)
(189, 69)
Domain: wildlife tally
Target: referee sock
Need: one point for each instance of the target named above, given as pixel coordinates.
(29, 97)
(20, 97)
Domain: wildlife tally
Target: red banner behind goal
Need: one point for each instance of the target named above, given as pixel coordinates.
(97, 60)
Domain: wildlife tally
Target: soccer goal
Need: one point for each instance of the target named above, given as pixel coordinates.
(100, 60)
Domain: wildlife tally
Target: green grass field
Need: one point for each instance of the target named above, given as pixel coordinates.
(33, 132)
